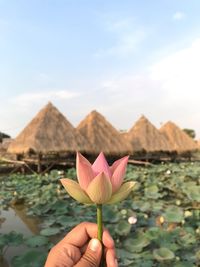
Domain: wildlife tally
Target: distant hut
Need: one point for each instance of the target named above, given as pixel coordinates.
(48, 132)
(178, 139)
(145, 137)
(103, 136)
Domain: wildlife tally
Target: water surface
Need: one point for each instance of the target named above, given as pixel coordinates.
(15, 219)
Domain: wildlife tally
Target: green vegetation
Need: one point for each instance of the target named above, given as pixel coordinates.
(190, 132)
(166, 203)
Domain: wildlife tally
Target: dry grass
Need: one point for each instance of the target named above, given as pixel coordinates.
(177, 138)
(103, 136)
(198, 144)
(49, 131)
(144, 136)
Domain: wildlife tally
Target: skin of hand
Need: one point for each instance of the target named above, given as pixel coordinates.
(81, 248)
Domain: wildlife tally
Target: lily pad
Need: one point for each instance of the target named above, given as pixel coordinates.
(137, 243)
(50, 231)
(122, 253)
(163, 254)
(37, 241)
(153, 233)
(11, 239)
(193, 193)
(187, 239)
(173, 214)
(123, 228)
(110, 215)
(31, 258)
(152, 192)
(184, 264)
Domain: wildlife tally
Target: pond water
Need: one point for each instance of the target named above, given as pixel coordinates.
(15, 219)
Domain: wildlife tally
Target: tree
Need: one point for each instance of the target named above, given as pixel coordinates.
(3, 135)
(190, 132)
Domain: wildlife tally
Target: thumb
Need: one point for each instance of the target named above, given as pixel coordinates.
(92, 255)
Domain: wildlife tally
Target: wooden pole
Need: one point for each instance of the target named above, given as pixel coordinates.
(39, 165)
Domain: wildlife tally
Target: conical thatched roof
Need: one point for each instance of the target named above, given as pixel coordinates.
(102, 135)
(145, 137)
(178, 139)
(49, 131)
(198, 144)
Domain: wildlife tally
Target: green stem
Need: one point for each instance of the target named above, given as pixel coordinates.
(99, 222)
(100, 230)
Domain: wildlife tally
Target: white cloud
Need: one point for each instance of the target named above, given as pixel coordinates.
(179, 73)
(169, 90)
(178, 15)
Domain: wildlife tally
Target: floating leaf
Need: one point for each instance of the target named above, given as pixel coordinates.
(174, 214)
(11, 239)
(137, 243)
(163, 254)
(31, 258)
(123, 228)
(36, 241)
(152, 192)
(184, 264)
(110, 215)
(122, 253)
(50, 231)
(193, 193)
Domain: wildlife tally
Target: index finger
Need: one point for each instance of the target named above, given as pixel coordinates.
(85, 231)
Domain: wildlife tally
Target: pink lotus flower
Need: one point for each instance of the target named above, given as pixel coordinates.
(99, 183)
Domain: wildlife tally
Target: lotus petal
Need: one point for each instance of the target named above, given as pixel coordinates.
(75, 191)
(118, 174)
(100, 189)
(122, 193)
(116, 164)
(101, 165)
(85, 173)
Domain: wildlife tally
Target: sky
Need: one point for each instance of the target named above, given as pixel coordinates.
(122, 58)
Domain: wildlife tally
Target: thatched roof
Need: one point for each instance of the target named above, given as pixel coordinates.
(144, 136)
(49, 131)
(178, 139)
(6, 142)
(102, 135)
(198, 144)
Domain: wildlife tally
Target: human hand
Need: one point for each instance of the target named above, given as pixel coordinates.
(81, 248)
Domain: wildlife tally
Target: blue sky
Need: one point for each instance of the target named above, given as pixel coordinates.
(122, 58)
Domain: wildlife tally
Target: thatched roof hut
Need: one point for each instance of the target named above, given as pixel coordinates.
(102, 135)
(177, 138)
(6, 142)
(198, 145)
(144, 136)
(49, 131)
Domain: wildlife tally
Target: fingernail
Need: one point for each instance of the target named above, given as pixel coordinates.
(94, 244)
